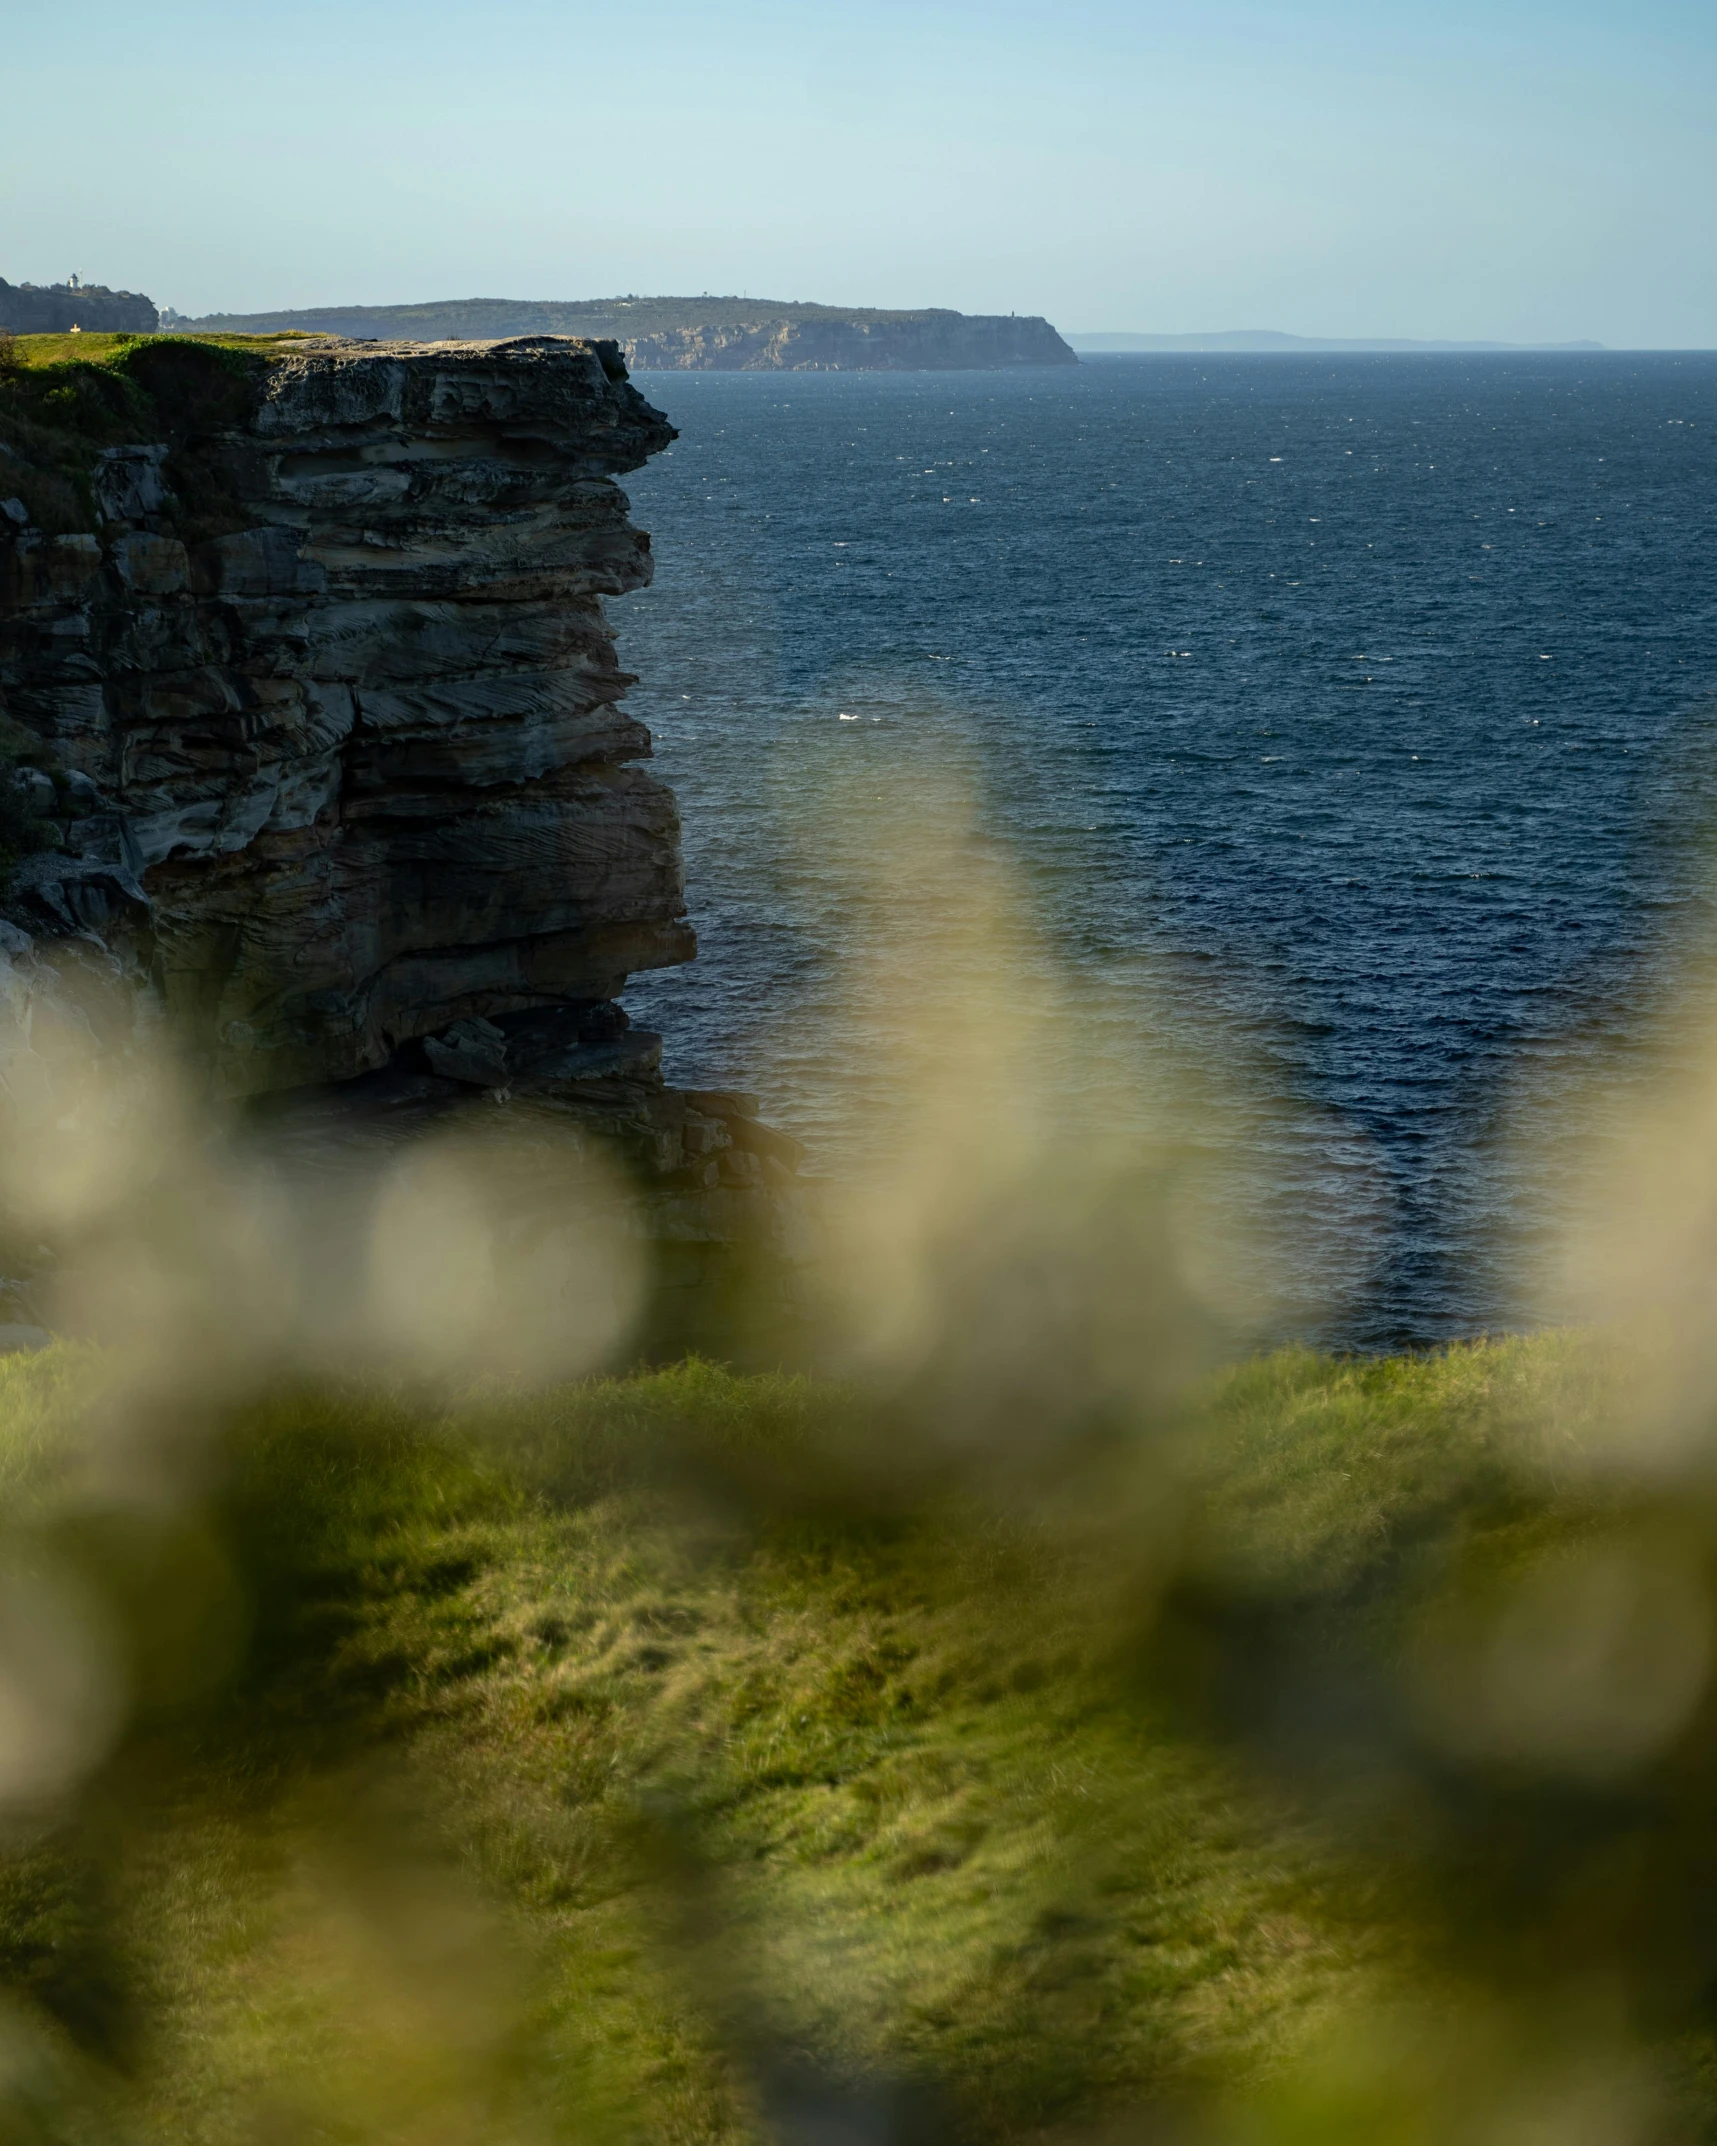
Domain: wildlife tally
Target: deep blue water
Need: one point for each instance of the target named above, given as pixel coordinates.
(1368, 704)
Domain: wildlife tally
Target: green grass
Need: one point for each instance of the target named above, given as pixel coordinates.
(597, 1764)
(36, 351)
(63, 399)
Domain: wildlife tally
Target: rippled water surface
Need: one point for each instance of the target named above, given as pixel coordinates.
(1348, 718)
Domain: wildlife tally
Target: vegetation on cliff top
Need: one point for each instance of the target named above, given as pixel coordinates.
(667, 1759)
(64, 398)
(36, 351)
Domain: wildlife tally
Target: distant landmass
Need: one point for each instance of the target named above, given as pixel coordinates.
(1118, 343)
(58, 308)
(696, 334)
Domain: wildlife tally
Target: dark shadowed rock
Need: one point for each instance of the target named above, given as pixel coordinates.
(366, 750)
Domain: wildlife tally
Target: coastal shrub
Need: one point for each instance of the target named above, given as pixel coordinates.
(59, 409)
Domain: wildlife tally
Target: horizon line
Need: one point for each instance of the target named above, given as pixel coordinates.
(1123, 342)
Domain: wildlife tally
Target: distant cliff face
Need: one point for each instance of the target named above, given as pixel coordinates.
(936, 342)
(721, 334)
(352, 768)
(57, 308)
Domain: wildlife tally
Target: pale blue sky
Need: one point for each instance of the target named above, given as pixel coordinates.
(1513, 169)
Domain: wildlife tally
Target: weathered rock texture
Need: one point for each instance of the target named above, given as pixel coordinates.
(57, 308)
(312, 755)
(710, 334)
(358, 765)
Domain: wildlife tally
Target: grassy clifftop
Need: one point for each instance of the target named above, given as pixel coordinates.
(36, 351)
(64, 398)
(673, 1759)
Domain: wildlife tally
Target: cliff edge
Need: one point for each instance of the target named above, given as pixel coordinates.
(360, 751)
(312, 748)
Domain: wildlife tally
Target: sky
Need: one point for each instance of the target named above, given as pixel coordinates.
(1508, 169)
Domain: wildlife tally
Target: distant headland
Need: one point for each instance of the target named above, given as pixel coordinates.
(696, 334)
(61, 308)
(1119, 343)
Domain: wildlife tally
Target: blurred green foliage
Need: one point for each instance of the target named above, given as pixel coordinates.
(663, 1758)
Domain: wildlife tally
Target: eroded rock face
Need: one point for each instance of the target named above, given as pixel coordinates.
(355, 771)
(936, 342)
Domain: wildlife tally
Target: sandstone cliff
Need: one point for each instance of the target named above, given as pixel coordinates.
(356, 765)
(708, 334)
(312, 753)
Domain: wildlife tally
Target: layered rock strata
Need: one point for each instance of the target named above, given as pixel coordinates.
(318, 729)
(362, 758)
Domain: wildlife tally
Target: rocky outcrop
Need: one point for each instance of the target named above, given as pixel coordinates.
(710, 334)
(319, 754)
(57, 308)
(359, 764)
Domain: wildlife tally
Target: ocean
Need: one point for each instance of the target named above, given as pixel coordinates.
(1352, 720)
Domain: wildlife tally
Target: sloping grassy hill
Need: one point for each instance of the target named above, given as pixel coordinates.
(685, 1758)
(34, 351)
